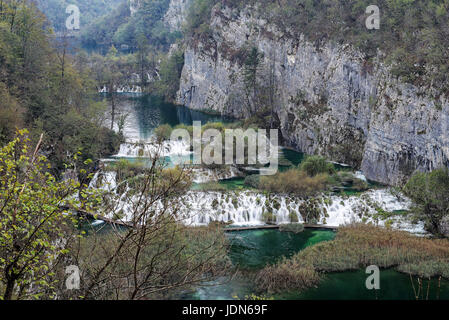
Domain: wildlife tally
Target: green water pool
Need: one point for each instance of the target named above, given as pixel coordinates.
(393, 286)
(254, 249)
(251, 250)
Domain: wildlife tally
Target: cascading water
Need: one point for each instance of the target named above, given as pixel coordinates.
(249, 208)
(150, 149)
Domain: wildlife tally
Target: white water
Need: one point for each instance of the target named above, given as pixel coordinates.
(247, 208)
(207, 175)
(122, 89)
(150, 149)
(244, 208)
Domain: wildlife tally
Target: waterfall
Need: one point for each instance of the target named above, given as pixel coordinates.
(207, 175)
(105, 181)
(132, 149)
(244, 208)
(247, 208)
(250, 208)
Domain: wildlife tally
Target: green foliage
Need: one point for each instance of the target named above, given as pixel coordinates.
(186, 255)
(251, 69)
(268, 217)
(212, 186)
(34, 222)
(198, 17)
(314, 165)
(252, 180)
(293, 216)
(412, 34)
(430, 194)
(122, 28)
(170, 73)
(102, 31)
(48, 91)
(163, 132)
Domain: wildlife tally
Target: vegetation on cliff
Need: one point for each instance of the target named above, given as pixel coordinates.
(430, 195)
(412, 36)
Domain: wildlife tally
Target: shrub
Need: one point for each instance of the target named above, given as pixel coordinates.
(293, 216)
(252, 180)
(294, 181)
(311, 211)
(268, 217)
(430, 192)
(126, 169)
(185, 127)
(314, 165)
(163, 132)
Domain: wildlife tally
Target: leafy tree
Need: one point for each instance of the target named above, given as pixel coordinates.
(33, 220)
(314, 165)
(119, 27)
(155, 253)
(198, 17)
(430, 193)
(48, 89)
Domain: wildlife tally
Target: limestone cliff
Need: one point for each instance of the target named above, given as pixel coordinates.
(328, 99)
(176, 14)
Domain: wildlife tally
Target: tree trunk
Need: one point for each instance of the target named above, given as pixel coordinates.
(9, 289)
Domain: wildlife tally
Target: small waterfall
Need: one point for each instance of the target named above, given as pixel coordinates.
(104, 180)
(359, 175)
(244, 208)
(207, 175)
(151, 149)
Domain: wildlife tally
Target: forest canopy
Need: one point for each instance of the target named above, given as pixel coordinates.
(44, 89)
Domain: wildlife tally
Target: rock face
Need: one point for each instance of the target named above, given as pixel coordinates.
(328, 99)
(176, 14)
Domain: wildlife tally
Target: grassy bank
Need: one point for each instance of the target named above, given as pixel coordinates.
(357, 246)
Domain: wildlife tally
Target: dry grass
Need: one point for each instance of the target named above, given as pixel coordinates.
(294, 181)
(357, 246)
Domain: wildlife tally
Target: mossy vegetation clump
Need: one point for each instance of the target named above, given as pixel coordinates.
(314, 165)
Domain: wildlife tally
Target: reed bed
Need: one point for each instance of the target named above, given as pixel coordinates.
(357, 246)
